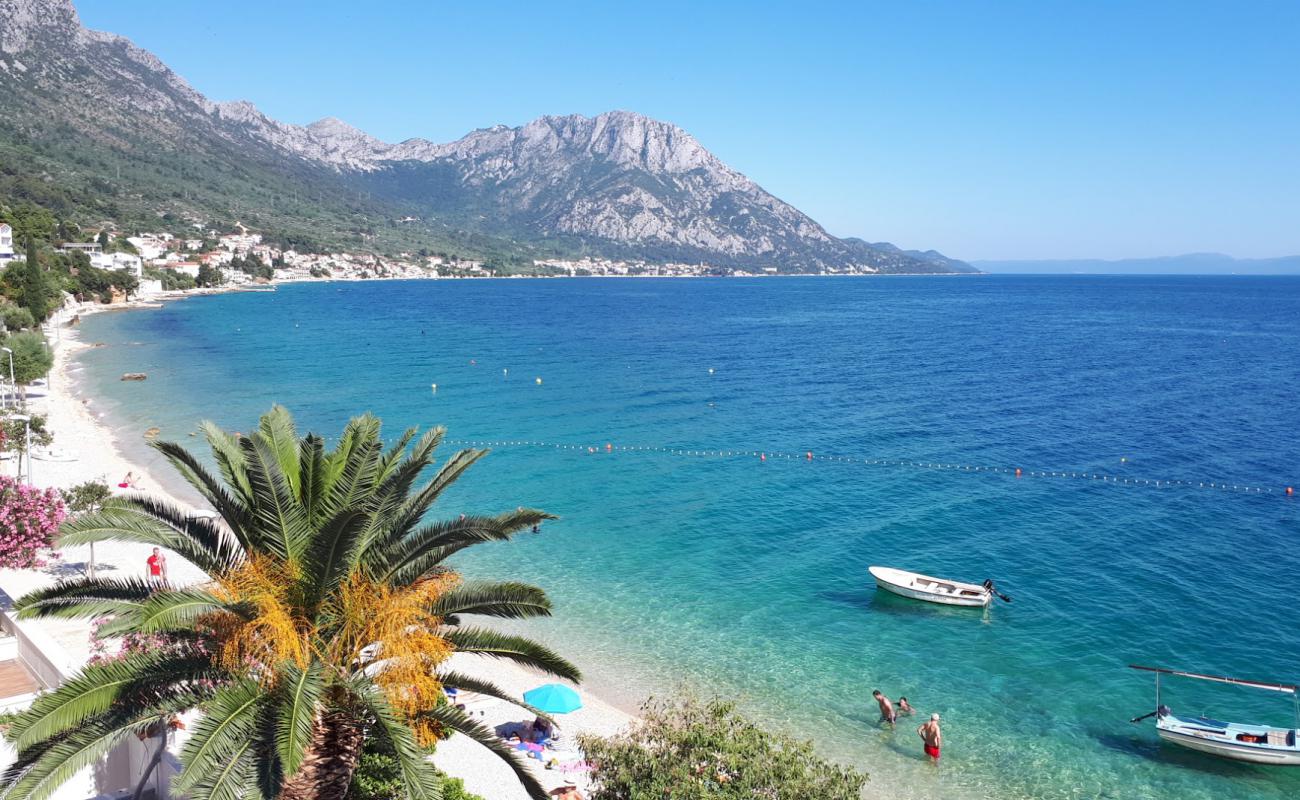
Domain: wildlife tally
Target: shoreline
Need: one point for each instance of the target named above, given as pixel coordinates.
(95, 452)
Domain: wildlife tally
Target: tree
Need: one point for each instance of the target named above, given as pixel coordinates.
(32, 358)
(86, 498)
(209, 276)
(35, 289)
(103, 239)
(29, 518)
(326, 620)
(16, 318)
(691, 750)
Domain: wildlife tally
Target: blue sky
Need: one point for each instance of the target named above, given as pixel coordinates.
(985, 130)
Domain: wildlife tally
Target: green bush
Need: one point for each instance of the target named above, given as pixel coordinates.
(379, 777)
(16, 318)
(691, 750)
(32, 358)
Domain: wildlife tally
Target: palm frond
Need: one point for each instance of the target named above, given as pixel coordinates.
(469, 683)
(165, 610)
(350, 466)
(154, 522)
(279, 515)
(509, 600)
(229, 722)
(39, 771)
(458, 721)
(231, 507)
(419, 778)
(270, 770)
(312, 486)
(277, 430)
(512, 648)
(230, 779)
(84, 598)
(424, 550)
(300, 693)
(418, 504)
(389, 458)
(98, 687)
(230, 460)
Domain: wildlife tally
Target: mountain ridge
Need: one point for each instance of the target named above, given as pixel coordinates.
(618, 184)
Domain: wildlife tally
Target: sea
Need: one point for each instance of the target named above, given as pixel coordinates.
(728, 457)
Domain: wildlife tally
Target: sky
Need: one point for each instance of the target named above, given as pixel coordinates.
(998, 130)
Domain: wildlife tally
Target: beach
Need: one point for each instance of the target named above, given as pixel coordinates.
(86, 449)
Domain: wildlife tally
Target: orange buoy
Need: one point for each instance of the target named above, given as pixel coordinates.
(608, 447)
(1017, 472)
(762, 456)
(1290, 491)
(810, 455)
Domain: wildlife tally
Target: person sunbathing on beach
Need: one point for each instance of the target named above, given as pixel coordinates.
(886, 708)
(129, 482)
(905, 707)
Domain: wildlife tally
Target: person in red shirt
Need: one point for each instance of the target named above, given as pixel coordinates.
(157, 569)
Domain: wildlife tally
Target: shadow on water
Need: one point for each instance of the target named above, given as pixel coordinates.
(884, 602)
(1148, 747)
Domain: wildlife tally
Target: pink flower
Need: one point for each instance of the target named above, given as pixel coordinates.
(29, 521)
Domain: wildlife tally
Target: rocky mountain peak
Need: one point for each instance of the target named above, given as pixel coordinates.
(335, 128)
(22, 20)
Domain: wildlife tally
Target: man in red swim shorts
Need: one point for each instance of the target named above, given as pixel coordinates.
(932, 736)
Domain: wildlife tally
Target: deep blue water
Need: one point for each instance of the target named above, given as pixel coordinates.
(748, 577)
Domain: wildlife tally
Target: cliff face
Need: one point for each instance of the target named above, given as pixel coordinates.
(618, 184)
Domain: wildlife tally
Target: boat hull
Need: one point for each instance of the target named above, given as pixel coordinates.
(1198, 738)
(918, 587)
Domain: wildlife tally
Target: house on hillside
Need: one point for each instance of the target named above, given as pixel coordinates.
(119, 261)
(6, 242)
(89, 248)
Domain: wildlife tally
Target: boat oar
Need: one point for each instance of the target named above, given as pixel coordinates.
(1144, 716)
(988, 584)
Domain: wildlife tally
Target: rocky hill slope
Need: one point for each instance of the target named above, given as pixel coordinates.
(90, 121)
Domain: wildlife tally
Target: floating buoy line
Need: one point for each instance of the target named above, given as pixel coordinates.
(809, 456)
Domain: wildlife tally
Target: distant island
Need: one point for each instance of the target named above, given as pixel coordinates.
(1189, 264)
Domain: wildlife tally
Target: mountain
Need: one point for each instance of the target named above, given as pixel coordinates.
(1189, 264)
(98, 128)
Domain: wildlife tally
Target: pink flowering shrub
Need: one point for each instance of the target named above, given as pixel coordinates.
(29, 520)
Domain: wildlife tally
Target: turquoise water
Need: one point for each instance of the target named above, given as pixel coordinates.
(748, 577)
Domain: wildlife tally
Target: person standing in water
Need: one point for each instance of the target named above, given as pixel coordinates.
(932, 736)
(886, 708)
(905, 707)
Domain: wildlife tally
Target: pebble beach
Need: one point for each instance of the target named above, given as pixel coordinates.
(86, 449)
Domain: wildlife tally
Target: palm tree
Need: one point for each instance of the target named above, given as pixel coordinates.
(327, 618)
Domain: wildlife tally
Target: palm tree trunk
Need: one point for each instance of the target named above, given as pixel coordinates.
(331, 758)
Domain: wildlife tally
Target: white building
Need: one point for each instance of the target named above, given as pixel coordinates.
(148, 246)
(6, 242)
(119, 261)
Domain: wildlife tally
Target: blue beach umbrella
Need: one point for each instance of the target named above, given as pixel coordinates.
(553, 698)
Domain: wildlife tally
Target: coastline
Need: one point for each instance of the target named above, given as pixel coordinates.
(95, 452)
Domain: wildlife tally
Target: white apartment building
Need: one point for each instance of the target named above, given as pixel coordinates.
(119, 261)
(6, 242)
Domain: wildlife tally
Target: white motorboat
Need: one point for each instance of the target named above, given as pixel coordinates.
(934, 590)
(1257, 744)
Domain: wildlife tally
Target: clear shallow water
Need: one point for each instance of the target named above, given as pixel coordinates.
(749, 578)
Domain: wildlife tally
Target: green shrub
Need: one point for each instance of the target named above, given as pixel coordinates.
(691, 750)
(379, 777)
(16, 318)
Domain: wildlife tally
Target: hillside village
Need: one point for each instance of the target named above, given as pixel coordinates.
(163, 262)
